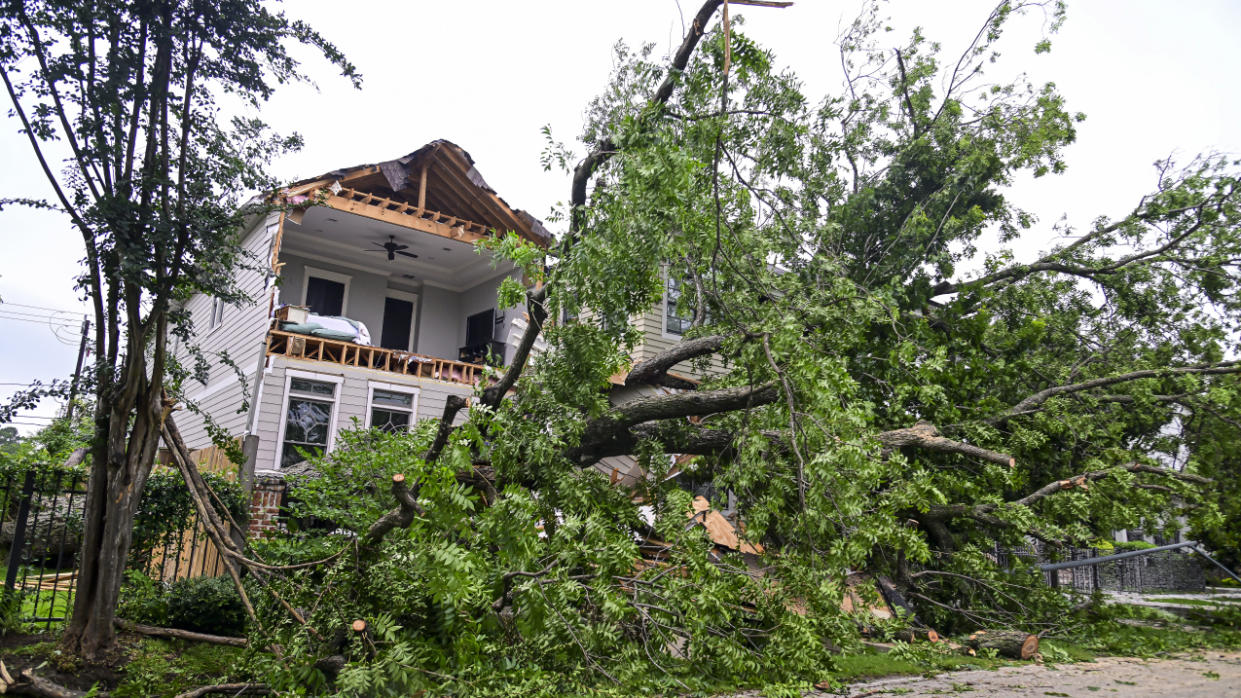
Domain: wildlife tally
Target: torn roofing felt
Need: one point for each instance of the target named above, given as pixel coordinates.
(440, 175)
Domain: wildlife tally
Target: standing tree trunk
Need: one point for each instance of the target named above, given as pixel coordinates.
(122, 460)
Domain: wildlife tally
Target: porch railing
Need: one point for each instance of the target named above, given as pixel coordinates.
(300, 346)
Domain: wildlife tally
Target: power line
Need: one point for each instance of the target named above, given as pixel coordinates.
(35, 313)
(41, 320)
(41, 307)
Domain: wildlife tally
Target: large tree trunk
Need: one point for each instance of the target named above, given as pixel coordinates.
(122, 460)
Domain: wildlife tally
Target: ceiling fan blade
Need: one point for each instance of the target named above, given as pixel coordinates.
(372, 250)
(380, 244)
(407, 254)
(400, 247)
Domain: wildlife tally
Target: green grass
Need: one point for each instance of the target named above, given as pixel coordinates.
(871, 664)
(49, 604)
(166, 668)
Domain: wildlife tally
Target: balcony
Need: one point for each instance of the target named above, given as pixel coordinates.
(405, 363)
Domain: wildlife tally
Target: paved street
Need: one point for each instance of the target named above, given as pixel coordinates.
(1209, 674)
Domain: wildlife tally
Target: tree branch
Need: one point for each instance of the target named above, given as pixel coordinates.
(452, 405)
(400, 517)
(537, 309)
(925, 435)
(984, 513)
(606, 148)
(654, 370)
(610, 434)
(1033, 402)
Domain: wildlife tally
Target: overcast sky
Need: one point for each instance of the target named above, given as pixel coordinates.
(1155, 78)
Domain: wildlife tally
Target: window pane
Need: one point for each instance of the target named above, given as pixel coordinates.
(307, 421)
(389, 420)
(393, 399)
(303, 385)
(295, 453)
(675, 322)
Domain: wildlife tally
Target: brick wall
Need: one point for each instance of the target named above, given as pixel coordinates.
(265, 503)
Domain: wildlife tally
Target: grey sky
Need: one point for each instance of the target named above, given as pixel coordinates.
(1154, 78)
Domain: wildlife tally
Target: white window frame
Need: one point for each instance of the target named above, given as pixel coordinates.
(289, 375)
(215, 319)
(663, 313)
(413, 317)
(395, 388)
(309, 271)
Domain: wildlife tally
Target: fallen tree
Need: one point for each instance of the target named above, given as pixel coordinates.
(867, 405)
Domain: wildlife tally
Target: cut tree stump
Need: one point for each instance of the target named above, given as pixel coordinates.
(1012, 644)
(918, 635)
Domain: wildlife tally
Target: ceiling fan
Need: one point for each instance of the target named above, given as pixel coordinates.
(393, 248)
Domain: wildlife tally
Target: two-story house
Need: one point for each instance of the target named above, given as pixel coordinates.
(370, 305)
(369, 302)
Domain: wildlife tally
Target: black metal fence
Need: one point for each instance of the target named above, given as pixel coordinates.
(1159, 571)
(41, 515)
(40, 535)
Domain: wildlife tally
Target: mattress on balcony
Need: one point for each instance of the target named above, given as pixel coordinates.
(336, 327)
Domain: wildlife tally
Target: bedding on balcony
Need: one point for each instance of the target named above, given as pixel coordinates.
(331, 327)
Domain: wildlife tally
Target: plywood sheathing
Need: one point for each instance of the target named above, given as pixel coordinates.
(719, 529)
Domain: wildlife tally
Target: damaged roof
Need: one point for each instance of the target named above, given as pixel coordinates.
(439, 176)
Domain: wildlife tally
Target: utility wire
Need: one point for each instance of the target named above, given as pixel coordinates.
(37, 313)
(40, 313)
(40, 307)
(42, 320)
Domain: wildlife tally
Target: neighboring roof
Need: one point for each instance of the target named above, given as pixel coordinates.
(453, 185)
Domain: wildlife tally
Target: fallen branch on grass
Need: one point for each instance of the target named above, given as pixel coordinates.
(236, 689)
(155, 631)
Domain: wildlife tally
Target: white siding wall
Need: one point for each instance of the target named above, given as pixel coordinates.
(351, 399)
(242, 334)
(440, 323)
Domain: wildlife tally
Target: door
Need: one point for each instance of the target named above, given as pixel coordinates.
(479, 328)
(398, 323)
(324, 296)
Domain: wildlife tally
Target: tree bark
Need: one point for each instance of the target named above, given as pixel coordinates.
(122, 459)
(1013, 644)
(155, 631)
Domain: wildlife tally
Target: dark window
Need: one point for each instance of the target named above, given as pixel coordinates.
(308, 420)
(391, 410)
(398, 319)
(325, 297)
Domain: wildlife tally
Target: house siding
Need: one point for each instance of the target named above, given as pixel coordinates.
(655, 340)
(351, 400)
(242, 335)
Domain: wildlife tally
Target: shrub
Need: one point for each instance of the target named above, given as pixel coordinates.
(143, 600)
(207, 605)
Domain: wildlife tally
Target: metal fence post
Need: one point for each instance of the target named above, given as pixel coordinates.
(19, 532)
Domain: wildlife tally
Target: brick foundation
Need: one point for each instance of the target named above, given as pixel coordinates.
(265, 503)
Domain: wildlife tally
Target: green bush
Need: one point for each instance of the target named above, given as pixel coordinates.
(143, 600)
(206, 605)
